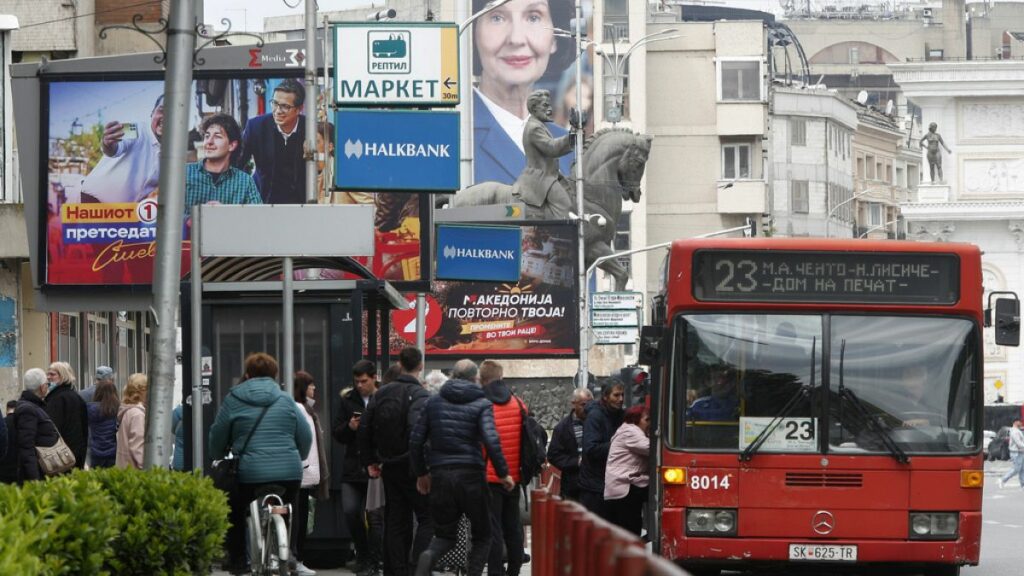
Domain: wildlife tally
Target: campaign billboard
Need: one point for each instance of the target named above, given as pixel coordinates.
(532, 317)
(245, 146)
(516, 51)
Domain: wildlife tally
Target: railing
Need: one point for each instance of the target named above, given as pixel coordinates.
(567, 540)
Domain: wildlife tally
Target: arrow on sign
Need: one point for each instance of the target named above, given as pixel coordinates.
(512, 211)
(448, 83)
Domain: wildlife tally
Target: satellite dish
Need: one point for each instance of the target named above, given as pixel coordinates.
(862, 97)
(889, 107)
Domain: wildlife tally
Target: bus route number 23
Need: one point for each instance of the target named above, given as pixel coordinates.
(709, 482)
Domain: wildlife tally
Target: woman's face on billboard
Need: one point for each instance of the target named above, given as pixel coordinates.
(514, 42)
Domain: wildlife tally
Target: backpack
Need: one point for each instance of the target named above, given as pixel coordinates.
(533, 444)
(391, 423)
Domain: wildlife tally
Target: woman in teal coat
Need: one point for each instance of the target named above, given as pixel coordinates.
(274, 454)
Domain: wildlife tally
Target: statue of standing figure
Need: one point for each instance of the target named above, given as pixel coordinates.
(541, 183)
(934, 140)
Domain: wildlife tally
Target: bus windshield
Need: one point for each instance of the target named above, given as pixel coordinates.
(737, 377)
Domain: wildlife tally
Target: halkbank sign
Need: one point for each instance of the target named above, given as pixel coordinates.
(396, 64)
(396, 150)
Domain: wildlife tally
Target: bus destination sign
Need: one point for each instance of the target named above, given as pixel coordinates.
(803, 276)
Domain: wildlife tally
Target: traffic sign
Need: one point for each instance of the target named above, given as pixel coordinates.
(616, 318)
(396, 64)
(605, 335)
(397, 150)
(616, 300)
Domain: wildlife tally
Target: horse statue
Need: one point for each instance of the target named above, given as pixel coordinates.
(614, 160)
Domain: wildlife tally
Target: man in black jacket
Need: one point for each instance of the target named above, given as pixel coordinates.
(67, 410)
(603, 419)
(383, 438)
(455, 423)
(9, 463)
(353, 475)
(566, 448)
(34, 427)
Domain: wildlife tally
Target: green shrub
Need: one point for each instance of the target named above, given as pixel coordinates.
(174, 522)
(23, 525)
(60, 526)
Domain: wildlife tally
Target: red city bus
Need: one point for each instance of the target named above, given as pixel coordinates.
(817, 404)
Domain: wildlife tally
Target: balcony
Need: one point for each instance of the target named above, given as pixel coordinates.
(743, 197)
(741, 118)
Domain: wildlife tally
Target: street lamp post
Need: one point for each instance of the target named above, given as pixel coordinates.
(583, 374)
(615, 82)
(828, 217)
(465, 83)
(882, 226)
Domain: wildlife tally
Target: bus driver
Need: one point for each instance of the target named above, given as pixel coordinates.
(721, 402)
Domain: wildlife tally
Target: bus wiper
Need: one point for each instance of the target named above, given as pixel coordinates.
(802, 393)
(862, 411)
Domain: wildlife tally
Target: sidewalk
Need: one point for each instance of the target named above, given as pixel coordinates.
(524, 571)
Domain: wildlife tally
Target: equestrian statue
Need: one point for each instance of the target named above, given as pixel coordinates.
(613, 165)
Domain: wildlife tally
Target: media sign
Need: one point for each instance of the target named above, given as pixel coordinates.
(478, 253)
(397, 150)
(396, 64)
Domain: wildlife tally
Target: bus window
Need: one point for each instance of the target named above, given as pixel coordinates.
(912, 375)
(733, 373)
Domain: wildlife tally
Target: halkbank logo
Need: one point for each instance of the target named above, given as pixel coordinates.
(358, 149)
(479, 253)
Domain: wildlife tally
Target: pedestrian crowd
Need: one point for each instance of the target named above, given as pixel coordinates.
(97, 425)
(433, 466)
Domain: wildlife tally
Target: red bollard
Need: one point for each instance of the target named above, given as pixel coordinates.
(631, 561)
(580, 547)
(568, 513)
(600, 533)
(539, 533)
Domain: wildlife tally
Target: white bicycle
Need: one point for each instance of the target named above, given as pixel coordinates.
(269, 530)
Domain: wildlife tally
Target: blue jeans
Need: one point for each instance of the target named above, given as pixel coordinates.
(1017, 458)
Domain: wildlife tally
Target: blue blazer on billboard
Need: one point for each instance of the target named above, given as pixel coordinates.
(495, 156)
(275, 166)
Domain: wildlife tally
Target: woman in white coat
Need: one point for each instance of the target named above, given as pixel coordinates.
(626, 477)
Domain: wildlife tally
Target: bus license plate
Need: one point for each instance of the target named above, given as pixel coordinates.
(823, 552)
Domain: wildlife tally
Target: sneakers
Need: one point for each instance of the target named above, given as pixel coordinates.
(301, 570)
(1001, 483)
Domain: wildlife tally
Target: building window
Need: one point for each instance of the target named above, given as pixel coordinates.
(901, 177)
(869, 161)
(735, 161)
(855, 55)
(797, 133)
(740, 80)
(798, 196)
(616, 20)
(875, 214)
(888, 173)
(860, 167)
(68, 341)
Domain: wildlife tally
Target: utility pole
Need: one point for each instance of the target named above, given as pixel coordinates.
(181, 43)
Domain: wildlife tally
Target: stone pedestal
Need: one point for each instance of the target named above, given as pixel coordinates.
(933, 192)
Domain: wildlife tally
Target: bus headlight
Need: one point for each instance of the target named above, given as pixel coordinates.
(710, 522)
(934, 525)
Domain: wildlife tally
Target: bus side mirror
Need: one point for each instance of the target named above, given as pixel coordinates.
(650, 344)
(1007, 322)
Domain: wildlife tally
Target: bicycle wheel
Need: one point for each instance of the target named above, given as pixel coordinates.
(255, 542)
(275, 564)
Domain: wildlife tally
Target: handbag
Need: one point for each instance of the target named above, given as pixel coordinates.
(56, 459)
(224, 472)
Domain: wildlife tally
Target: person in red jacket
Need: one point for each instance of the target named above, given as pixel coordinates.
(506, 527)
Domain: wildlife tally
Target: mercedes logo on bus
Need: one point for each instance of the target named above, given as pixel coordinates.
(823, 522)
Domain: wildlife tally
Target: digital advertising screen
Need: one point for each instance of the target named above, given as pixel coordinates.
(533, 317)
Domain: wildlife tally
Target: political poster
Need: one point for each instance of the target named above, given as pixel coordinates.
(533, 317)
